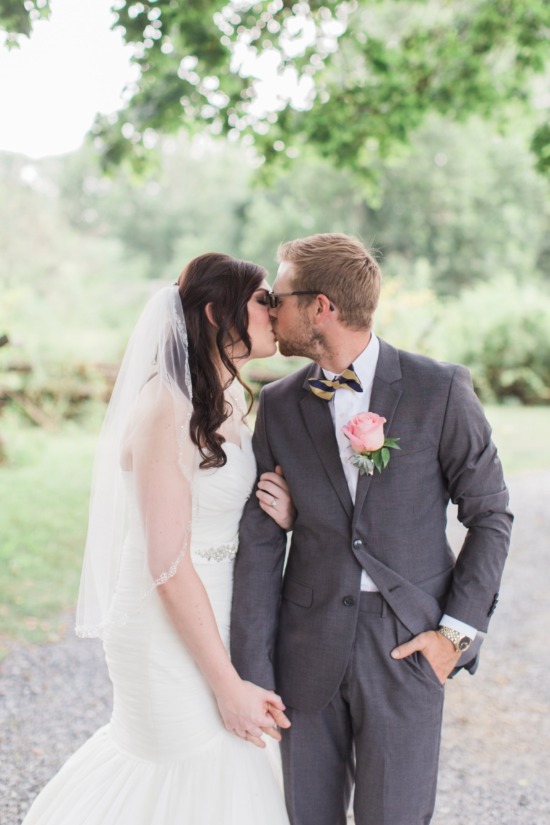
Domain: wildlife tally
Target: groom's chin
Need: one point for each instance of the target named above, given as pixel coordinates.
(285, 348)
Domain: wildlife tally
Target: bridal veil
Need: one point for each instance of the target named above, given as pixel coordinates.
(144, 442)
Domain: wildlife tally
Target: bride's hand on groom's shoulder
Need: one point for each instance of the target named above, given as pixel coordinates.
(274, 498)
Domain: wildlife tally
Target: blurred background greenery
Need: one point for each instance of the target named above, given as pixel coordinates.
(458, 207)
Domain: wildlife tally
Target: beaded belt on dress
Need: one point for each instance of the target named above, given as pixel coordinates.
(223, 552)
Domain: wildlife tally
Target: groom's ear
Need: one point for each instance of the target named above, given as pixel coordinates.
(324, 306)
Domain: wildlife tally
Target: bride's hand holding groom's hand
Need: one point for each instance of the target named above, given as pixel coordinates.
(249, 711)
(280, 719)
(274, 498)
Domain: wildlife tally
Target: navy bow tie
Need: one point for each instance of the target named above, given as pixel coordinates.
(325, 389)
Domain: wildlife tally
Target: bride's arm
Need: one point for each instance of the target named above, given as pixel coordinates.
(165, 502)
(242, 705)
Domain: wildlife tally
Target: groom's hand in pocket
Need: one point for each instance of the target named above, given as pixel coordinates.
(438, 650)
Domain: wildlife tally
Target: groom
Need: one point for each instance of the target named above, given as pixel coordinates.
(373, 612)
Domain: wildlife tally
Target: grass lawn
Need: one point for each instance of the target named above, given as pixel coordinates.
(44, 503)
(522, 435)
(44, 490)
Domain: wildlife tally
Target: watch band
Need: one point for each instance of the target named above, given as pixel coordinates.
(460, 642)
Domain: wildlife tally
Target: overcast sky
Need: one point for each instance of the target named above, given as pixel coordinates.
(72, 67)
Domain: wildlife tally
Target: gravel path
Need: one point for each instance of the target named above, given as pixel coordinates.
(496, 742)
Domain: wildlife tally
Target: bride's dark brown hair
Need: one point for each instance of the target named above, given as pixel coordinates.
(227, 284)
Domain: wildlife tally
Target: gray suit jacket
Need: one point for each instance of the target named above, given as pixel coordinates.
(296, 631)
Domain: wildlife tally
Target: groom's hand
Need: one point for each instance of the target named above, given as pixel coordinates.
(438, 650)
(280, 719)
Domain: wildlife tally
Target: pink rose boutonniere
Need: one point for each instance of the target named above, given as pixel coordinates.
(372, 449)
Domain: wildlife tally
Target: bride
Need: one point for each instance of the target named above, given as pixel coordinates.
(173, 470)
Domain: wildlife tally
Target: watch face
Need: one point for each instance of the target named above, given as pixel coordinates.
(464, 643)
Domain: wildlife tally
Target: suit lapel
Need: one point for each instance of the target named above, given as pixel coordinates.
(386, 392)
(318, 421)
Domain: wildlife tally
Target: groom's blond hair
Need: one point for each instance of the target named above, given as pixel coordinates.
(340, 267)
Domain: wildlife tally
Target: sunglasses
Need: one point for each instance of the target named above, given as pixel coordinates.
(274, 298)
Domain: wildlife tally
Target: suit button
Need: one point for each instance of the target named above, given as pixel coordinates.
(348, 601)
(357, 544)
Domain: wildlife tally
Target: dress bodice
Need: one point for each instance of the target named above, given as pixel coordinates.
(219, 496)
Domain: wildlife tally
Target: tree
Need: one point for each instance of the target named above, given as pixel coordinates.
(17, 17)
(365, 73)
(190, 201)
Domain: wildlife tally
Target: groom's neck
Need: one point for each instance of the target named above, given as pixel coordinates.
(342, 349)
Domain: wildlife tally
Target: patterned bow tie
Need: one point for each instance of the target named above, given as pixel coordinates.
(324, 388)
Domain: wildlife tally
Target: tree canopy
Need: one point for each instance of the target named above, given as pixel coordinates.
(352, 79)
(462, 227)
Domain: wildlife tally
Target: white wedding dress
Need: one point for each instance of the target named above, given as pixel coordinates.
(165, 758)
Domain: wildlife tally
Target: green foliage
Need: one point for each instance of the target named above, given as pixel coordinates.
(462, 204)
(391, 64)
(454, 208)
(541, 147)
(191, 201)
(44, 493)
(499, 330)
(55, 280)
(17, 17)
(312, 197)
(510, 425)
(374, 71)
(82, 251)
(370, 72)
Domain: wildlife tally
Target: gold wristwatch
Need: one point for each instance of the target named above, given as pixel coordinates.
(460, 642)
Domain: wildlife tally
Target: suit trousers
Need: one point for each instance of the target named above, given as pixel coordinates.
(381, 732)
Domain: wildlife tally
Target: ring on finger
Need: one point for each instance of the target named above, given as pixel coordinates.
(273, 502)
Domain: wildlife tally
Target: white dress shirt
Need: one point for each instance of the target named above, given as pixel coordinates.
(345, 404)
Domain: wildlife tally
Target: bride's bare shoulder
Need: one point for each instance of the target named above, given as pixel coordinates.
(157, 406)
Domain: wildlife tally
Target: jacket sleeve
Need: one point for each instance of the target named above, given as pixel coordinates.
(258, 577)
(473, 474)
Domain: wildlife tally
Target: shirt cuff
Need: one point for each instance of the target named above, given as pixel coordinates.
(463, 629)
